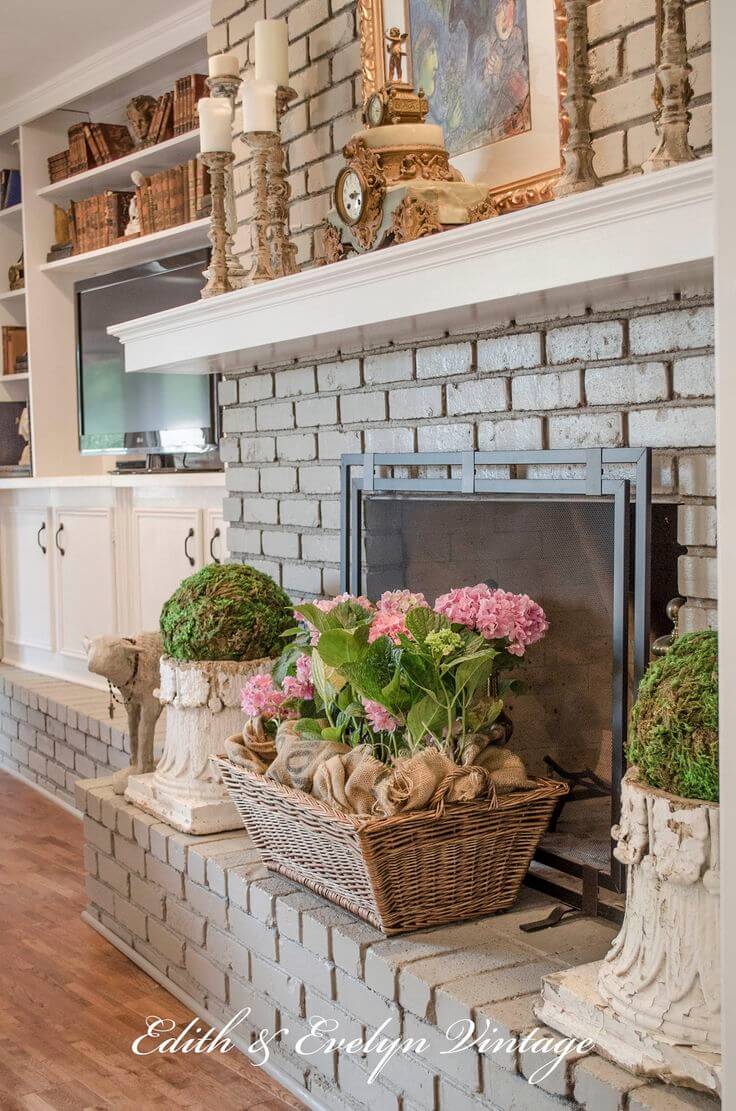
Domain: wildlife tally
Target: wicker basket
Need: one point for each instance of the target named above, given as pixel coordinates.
(402, 873)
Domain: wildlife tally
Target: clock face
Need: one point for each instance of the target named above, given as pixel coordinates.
(350, 196)
(374, 110)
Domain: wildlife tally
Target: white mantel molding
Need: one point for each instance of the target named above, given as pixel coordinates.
(643, 233)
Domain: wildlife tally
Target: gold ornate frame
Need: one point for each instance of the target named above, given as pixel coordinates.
(506, 198)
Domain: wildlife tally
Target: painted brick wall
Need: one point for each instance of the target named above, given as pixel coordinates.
(325, 68)
(615, 376)
(51, 741)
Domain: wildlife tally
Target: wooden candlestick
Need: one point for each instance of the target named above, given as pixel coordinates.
(279, 195)
(578, 173)
(672, 92)
(227, 85)
(260, 142)
(219, 163)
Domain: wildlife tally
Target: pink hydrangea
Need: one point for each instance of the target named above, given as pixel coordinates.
(300, 686)
(460, 606)
(530, 623)
(260, 698)
(391, 610)
(379, 717)
(497, 614)
(328, 604)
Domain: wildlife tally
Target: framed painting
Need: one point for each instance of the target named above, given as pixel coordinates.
(495, 75)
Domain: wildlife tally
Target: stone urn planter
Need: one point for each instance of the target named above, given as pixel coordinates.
(662, 974)
(202, 700)
(653, 1004)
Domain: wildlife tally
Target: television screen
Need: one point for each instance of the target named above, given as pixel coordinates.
(139, 413)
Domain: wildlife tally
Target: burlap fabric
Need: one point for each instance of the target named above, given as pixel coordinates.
(253, 749)
(298, 755)
(352, 779)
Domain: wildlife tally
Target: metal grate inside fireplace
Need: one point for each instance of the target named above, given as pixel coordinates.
(576, 530)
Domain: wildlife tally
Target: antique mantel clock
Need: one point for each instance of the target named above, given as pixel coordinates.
(397, 183)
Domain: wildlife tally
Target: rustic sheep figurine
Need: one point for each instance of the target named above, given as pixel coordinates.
(132, 665)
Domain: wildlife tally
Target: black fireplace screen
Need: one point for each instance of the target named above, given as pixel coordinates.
(573, 529)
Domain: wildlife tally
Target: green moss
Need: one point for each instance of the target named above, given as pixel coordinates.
(674, 724)
(226, 611)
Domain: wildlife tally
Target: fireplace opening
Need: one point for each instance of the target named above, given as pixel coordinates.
(577, 531)
(561, 553)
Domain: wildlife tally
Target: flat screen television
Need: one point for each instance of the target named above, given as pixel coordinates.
(152, 414)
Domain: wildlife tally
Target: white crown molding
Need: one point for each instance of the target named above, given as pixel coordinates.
(109, 64)
(644, 233)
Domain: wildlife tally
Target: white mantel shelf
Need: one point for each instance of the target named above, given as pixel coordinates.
(644, 233)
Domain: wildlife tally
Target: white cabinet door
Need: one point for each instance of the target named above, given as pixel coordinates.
(215, 537)
(84, 553)
(168, 547)
(26, 577)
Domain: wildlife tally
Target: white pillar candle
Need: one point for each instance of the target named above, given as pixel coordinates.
(215, 124)
(272, 51)
(224, 65)
(259, 106)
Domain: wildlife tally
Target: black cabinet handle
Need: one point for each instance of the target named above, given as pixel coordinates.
(214, 536)
(189, 536)
(38, 538)
(59, 531)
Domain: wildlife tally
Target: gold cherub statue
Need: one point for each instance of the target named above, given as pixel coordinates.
(395, 40)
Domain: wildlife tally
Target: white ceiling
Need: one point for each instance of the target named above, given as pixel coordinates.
(46, 44)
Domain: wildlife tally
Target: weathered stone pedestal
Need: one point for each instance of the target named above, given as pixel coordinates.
(203, 708)
(654, 1004)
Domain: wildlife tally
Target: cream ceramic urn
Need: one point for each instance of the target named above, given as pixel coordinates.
(202, 701)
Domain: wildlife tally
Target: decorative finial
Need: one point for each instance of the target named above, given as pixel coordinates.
(395, 39)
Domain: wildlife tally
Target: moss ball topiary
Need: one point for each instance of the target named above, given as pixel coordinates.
(674, 724)
(226, 611)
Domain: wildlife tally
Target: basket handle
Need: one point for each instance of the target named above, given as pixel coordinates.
(439, 798)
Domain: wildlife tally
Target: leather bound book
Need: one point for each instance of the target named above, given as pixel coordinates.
(198, 89)
(146, 208)
(180, 92)
(156, 118)
(73, 232)
(91, 140)
(117, 138)
(78, 157)
(192, 189)
(166, 129)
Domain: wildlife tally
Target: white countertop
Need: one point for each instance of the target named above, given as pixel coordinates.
(108, 481)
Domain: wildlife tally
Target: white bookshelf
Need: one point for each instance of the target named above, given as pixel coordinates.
(146, 248)
(13, 297)
(12, 216)
(116, 175)
(47, 304)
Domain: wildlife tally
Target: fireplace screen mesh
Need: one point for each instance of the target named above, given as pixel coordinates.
(560, 552)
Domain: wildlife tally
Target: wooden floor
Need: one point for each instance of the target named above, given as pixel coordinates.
(71, 1004)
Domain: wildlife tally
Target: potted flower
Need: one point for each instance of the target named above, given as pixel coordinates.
(662, 974)
(377, 731)
(223, 625)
